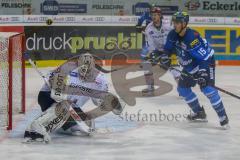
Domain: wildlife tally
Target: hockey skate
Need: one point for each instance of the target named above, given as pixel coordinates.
(118, 109)
(34, 137)
(149, 91)
(84, 128)
(197, 117)
(224, 122)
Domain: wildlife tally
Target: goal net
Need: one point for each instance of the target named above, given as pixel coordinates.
(12, 77)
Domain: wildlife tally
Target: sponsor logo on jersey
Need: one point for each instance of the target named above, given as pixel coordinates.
(82, 88)
(59, 85)
(74, 74)
(60, 112)
(194, 43)
(185, 62)
(151, 32)
(181, 45)
(158, 36)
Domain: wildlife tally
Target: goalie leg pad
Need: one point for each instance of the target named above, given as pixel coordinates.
(71, 122)
(50, 120)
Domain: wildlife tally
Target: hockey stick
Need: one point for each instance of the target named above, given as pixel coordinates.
(189, 75)
(113, 70)
(77, 117)
(36, 69)
(99, 67)
(218, 88)
(117, 47)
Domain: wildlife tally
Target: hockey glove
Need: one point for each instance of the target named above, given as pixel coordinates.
(139, 28)
(202, 77)
(165, 60)
(157, 57)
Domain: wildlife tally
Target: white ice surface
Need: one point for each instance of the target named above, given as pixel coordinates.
(135, 140)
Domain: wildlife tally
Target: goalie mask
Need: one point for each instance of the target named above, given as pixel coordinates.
(86, 64)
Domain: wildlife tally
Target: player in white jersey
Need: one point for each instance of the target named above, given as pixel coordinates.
(155, 34)
(86, 80)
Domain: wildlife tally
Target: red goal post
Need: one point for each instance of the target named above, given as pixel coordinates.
(12, 77)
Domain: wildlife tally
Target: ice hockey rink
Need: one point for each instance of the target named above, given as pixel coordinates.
(125, 138)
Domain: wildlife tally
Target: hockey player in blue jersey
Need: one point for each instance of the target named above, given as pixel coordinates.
(197, 59)
(146, 16)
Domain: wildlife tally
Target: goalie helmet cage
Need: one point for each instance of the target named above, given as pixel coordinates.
(12, 77)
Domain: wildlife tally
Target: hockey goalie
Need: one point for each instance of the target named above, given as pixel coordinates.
(57, 99)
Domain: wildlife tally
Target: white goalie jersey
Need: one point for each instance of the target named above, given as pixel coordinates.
(74, 79)
(99, 83)
(156, 38)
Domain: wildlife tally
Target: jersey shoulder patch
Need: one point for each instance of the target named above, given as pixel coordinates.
(151, 33)
(195, 43)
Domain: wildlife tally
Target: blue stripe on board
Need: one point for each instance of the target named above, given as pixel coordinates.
(221, 50)
(227, 57)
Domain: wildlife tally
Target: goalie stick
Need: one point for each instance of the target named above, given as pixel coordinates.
(100, 68)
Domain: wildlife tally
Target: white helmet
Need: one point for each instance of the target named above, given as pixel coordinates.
(86, 64)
